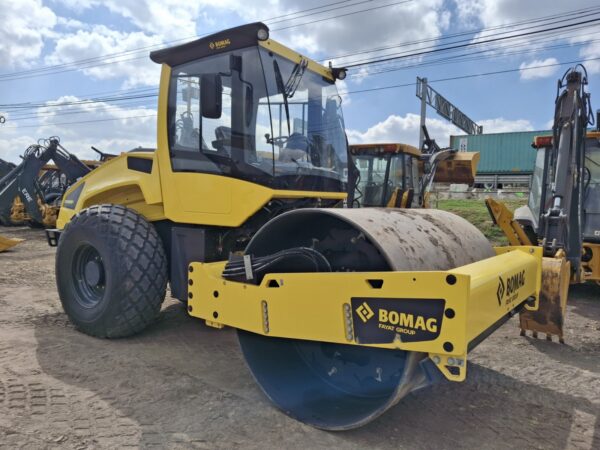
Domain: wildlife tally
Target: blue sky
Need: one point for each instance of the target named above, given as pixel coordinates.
(38, 34)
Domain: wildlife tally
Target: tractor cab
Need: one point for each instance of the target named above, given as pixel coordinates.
(386, 174)
(401, 176)
(540, 196)
(244, 106)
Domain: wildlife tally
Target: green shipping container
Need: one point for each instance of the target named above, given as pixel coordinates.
(501, 153)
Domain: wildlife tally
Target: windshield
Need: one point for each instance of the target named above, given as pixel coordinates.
(537, 183)
(592, 161)
(382, 175)
(250, 139)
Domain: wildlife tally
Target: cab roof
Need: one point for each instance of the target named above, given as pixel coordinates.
(231, 39)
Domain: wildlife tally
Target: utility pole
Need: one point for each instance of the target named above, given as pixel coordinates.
(423, 96)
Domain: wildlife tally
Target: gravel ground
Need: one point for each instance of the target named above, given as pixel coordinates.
(183, 385)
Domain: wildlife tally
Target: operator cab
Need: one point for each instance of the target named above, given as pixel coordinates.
(591, 195)
(387, 174)
(540, 196)
(242, 105)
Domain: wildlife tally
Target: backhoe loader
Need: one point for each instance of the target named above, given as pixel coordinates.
(401, 176)
(562, 215)
(340, 312)
(31, 192)
(6, 243)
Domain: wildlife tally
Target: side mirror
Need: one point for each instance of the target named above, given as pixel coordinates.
(211, 95)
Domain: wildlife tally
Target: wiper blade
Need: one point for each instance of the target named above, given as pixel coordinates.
(282, 89)
(296, 76)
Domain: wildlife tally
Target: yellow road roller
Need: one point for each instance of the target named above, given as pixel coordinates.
(340, 312)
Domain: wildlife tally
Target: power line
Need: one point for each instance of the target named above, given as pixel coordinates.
(395, 86)
(450, 36)
(583, 10)
(152, 95)
(104, 107)
(453, 59)
(469, 44)
(343, 15)
(474, 56)
(30, 105)
(321, 12)
(48, 70)
(82, 121)
(474, 75)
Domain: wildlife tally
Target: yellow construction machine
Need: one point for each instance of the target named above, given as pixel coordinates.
(340, 312)
(400, 175)
(562, 215)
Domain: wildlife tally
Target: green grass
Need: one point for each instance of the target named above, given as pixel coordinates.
(476, 212)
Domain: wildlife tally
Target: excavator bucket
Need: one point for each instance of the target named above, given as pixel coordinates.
(460, 168)
(6, 243)
(550, 315)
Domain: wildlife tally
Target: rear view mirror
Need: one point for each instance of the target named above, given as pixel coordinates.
(211, 95)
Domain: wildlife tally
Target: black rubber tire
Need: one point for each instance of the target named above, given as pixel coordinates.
(134, 268)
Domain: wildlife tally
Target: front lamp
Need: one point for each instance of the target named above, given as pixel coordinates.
(339, 73)
(262, 34)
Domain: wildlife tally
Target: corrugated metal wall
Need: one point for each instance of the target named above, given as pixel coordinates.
(501, 153)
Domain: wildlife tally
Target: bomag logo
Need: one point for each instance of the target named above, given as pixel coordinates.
(385, 320)
(364, 312)
(510, 287)
(216, 45)
(405, 322)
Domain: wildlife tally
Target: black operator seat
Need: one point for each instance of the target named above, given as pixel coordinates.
(296, 148)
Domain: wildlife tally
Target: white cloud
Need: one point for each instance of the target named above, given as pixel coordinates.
(25, 24)
(136, 69)
(590, 54)
(405, 129)
(167, 20)
(535, 69)
(501, 125)
(172, 19)
(382, 27)
(494, 13)
(121, 129)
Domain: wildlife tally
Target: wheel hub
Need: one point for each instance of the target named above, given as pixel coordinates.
(93, 273)
(88, 276)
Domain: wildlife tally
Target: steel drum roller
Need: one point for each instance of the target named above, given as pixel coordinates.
(335, 386)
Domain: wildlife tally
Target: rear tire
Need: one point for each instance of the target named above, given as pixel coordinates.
(111, 271)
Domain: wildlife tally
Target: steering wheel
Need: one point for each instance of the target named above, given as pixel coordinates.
(279, 141)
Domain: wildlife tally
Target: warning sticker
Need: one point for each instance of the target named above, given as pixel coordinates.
(381, 320)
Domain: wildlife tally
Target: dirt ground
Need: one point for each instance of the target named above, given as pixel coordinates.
(183, 385)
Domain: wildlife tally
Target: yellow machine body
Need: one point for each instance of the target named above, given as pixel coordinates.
(182, 197)
(291, 305)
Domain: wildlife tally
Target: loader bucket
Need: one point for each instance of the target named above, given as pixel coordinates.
(337, 386)
(460, 168)
(550, 315)
(6, 243)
